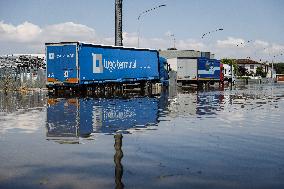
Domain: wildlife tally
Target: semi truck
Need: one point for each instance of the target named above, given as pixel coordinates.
(196, 70)
(76, 64)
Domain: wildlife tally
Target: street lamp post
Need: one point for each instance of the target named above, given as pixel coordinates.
(272, 69)
(139, 20)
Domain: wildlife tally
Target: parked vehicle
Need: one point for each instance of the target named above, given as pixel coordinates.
(279, 77)
(228, 71)
(196, 70)
(75, 64)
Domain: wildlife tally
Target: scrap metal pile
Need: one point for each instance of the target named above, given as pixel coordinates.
(27, 61)
(22, 71)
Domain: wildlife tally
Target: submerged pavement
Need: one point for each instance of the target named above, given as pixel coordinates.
(231, 138)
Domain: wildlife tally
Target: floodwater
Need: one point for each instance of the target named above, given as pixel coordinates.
(231, 138)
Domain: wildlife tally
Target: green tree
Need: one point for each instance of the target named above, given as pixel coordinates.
(242, 71)
(260, 72)
(279, 68)
(231, 62)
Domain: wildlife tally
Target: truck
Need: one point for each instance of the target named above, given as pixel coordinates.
(76, 64)
(229, 75)
(196, 70)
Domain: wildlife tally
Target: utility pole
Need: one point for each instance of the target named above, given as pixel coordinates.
(272, 69)
(118, 23)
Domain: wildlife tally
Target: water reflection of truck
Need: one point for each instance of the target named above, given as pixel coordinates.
(209, 103)
(62, 120)
(111, 115)
(196, 103)
(81, 117)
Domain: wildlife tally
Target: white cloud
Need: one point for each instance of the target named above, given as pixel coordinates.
(261, 44)
(28, 32)
(68, 31)
(30, 38)
(258, 50)
(25, 32)
(230, 42)
(131, 39)
(276, 48)
(191, 44)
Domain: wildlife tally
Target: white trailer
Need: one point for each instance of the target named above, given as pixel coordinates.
(186, 68)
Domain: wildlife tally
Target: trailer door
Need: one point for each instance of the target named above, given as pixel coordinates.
(62, 63)
(187, 69)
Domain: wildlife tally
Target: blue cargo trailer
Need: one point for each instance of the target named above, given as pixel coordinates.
(76, 64)
(209, 69)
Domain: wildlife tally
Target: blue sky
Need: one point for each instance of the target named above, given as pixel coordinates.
(260, 21)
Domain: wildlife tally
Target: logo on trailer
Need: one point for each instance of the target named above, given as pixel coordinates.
(51, 56)
(97, 63)
(209, 67)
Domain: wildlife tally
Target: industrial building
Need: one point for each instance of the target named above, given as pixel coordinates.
(168, 54)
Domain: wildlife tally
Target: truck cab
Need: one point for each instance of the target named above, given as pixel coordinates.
(164, 71)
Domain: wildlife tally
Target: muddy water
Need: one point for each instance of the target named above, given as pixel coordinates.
(231, 138)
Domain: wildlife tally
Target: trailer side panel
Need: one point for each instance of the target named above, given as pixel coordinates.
(208, 69)
(107, 64)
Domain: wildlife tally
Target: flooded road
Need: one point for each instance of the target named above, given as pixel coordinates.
(231, 138)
